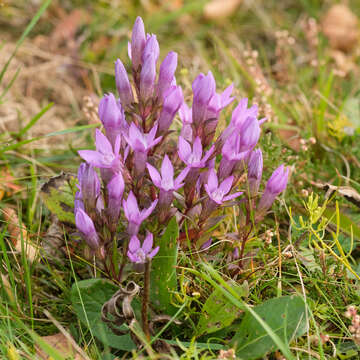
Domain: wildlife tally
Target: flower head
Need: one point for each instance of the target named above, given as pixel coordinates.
(139, 141)
(218, 193)
(166, 181)
(104, 156)
(193, 157)
(166, 73)
(138, 253)
(172, 102)
(133, 214)
(274, 186)
(115, 189)
(89, 185)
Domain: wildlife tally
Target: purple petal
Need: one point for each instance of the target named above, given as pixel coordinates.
(102, 143)
(132, 206)
(232, 196)
(94, 158)
(184, 149)
(117, 145)
(146, 212)
(137, 42)
(154, 252)
(208, 154)
(197, 148)
(167, 171)
(225, 186)
(134, 244)
(133, 258)
(148, 243)
(181, 177)
(212, 182)
(154, 174)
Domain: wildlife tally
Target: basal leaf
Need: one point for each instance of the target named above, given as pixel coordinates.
(58, 195)
(285, 316)
(88, 297)
(163, 271)
(218, 312)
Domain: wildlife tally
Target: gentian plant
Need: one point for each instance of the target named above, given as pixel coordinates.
(146, 171)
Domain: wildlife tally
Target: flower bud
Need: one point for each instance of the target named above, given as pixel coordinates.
(203, 89)
(123, 84)
(112, 117)
(166, 73)
(172, 102)
(115, 190)
(138, 41)
(147, 78)
(89, 185)
(151, 47)
(275, 185)
(87, 229)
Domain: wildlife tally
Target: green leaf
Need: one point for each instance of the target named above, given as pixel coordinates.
(163, 270)
(284, 315)
(88, 297)
(352, 111)
(218, 311)
(58, 195)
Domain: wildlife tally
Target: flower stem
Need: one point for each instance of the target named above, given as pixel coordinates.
(145, 302)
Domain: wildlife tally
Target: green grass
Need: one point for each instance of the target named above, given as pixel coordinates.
(309, 101)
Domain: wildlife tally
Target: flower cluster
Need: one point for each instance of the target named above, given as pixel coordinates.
(149, 171)
(354, 328)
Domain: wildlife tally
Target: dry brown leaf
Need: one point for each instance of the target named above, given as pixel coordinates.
(216, 9)
(7, 183)
(341, 26)
(17, 234)
(68, 26)
(291, 138)
(60, 343)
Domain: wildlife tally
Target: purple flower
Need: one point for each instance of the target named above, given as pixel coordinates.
(218, 193)
(193, 157)
(166, 181)
(255, 168)
(203, 89)
(134, 216)
(112, 116)
(172, 102)
(122, 84)
(151, 47)
(275, 185)
(87, 229)
(219, 102)
(138, 41)
(104, 156)
(166, 73)
(138, 253)
(147, 78)
(115, 189)
(141, 143)
(89, 185)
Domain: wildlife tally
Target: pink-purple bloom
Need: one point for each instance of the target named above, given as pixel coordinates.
(274, 186)
(172, 102)
(105, 155)
(166, 180)
(122, 84)
(87, 229)
(138, 41)
(218, 193)
(133, 214)
(166, 73)
(147, 77)
(140, 254)
(193, 157)
(89, 185)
